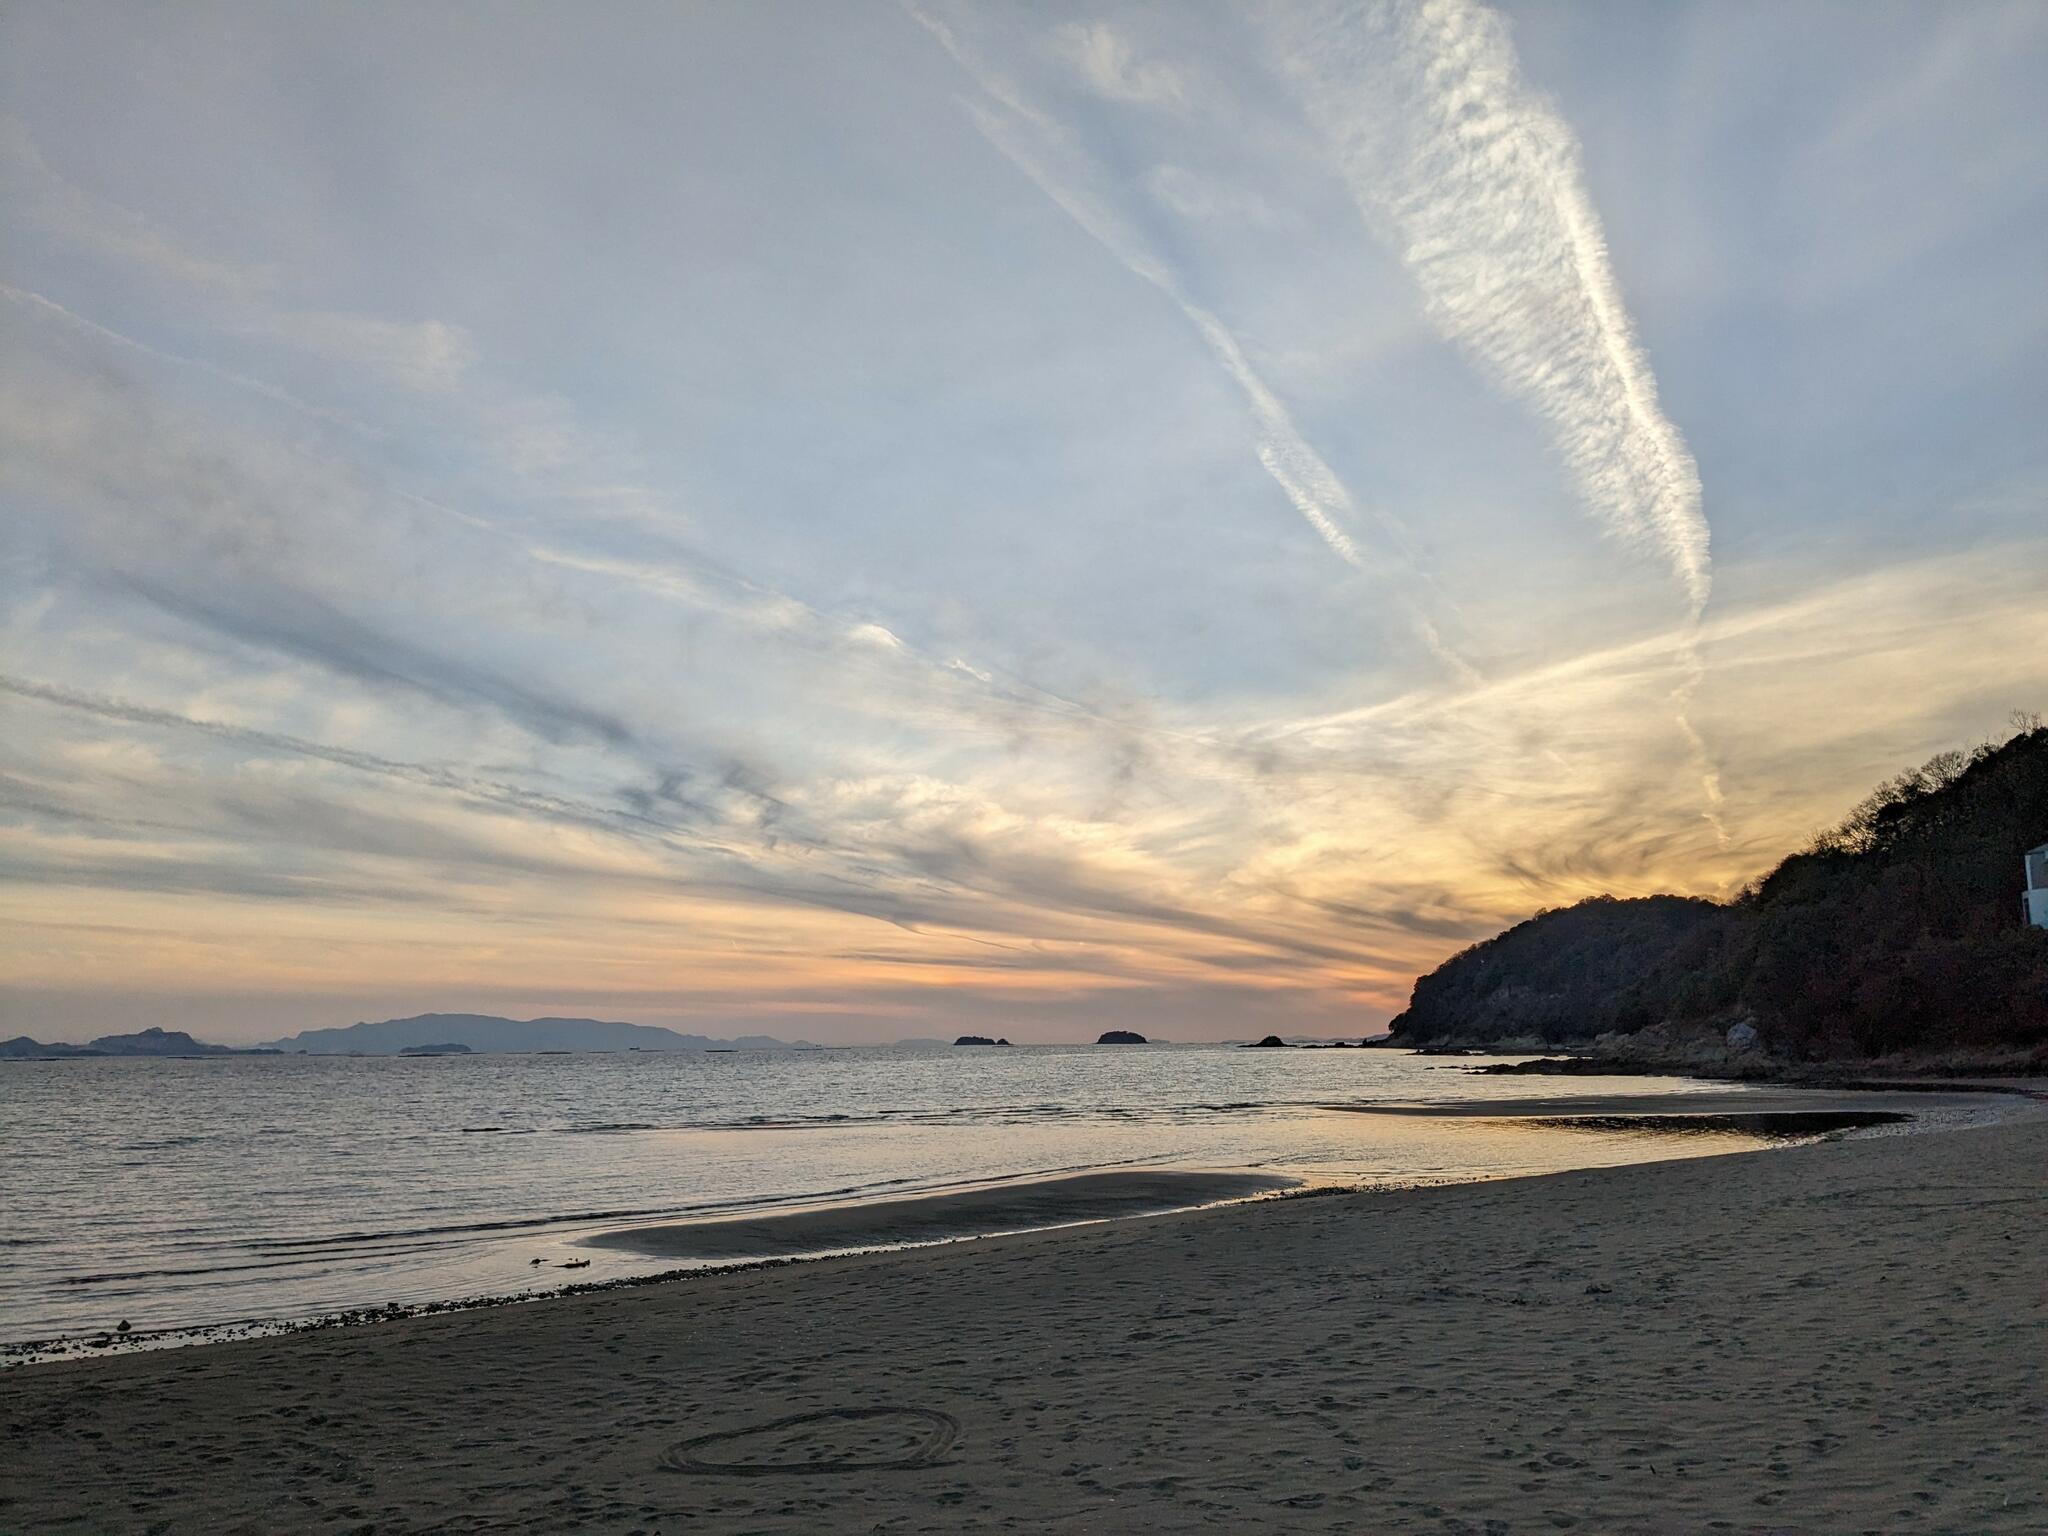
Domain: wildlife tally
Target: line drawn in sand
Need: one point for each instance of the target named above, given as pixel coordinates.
(829, 1441)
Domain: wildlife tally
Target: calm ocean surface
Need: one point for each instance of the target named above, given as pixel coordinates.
(184, 1193)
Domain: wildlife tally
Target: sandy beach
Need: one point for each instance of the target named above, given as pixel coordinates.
(1848, 1336)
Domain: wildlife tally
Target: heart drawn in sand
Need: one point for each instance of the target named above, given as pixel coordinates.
(832, 1440)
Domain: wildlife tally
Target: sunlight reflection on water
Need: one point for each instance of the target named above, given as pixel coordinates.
(174, 1193)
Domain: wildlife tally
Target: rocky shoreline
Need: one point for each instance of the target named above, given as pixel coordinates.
(2026, 1075)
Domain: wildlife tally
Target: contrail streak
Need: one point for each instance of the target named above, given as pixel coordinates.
(51, 308)
(1477, 181)
(506, 796)
(1033, 141)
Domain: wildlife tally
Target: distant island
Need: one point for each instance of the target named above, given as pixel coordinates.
(459, 1034)
(426, 1034)
(1896, 934)
(483, 1032)
(148, 1042)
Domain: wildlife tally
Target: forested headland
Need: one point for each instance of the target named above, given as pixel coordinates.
(1896, 933)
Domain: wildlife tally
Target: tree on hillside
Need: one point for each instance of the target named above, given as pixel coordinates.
(1894, 931)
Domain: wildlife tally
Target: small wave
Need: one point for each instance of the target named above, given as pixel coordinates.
(114, 1276)
(606, 1127)
(329, 1242)
(991, 1114)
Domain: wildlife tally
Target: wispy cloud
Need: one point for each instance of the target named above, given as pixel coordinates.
(1196, 197)
(428, 775)
(1477, 180)
(960, 552)
(1052, 155)
(1106, 62)
(428, 356)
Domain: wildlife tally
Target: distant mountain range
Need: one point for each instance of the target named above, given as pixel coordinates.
(424, 1034)
(449, 1034)
(483, 1032)
(150, 1042)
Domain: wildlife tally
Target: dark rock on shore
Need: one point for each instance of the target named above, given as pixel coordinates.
(1565, 1066)
(1943, 1072)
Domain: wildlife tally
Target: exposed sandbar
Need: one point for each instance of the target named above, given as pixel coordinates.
(1021, 1207)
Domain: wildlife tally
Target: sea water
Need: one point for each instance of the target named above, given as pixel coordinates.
(174, 1194)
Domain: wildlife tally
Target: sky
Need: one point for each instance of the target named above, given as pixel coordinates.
(880, 520)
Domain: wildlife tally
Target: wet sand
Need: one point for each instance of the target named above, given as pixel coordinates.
(1706, 1101)
(1017, 1207)
(1847, 1336)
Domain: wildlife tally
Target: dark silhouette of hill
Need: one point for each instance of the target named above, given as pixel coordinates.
(148, 1042)
(1896, 932)
(22, 1048)
(487, 1032)
(161, 1042)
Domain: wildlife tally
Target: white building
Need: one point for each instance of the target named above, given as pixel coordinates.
(2035, 902)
